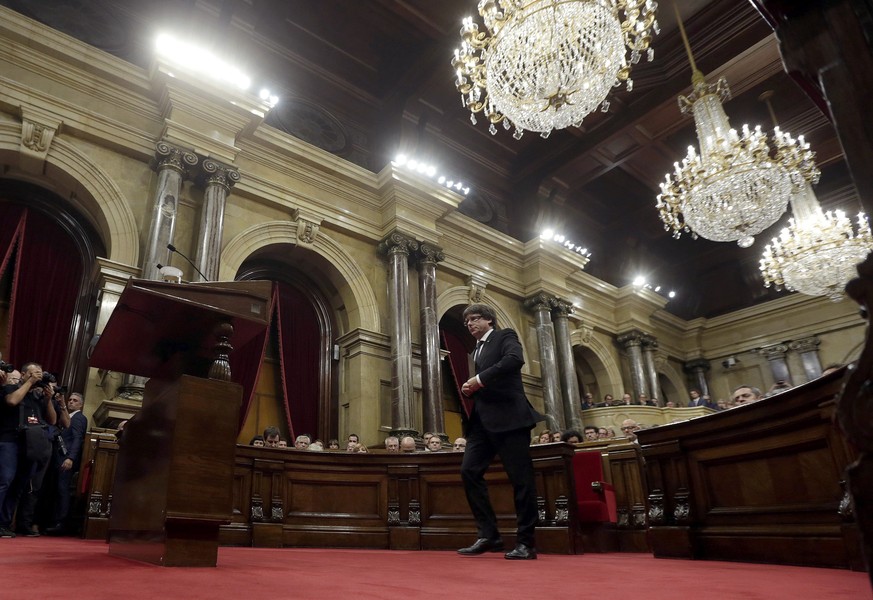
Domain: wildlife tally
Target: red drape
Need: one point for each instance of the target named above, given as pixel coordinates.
(459, 361)
(245, 365)
(299, 356)
(48, 273)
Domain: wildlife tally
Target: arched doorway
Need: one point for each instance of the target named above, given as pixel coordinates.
(47, 289)
(296, 383)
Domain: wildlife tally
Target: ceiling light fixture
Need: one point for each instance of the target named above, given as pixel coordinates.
(428, 170)
(737, 185)
(561, 239)
(547, 64)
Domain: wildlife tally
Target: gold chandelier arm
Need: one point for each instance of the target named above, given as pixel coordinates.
(696, 75)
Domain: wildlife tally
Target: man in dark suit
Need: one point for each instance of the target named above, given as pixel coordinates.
(68, 458)
(500, 423)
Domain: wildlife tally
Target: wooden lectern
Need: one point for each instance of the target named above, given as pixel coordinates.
(174, 477)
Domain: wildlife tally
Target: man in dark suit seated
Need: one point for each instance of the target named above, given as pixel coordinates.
(500, 423)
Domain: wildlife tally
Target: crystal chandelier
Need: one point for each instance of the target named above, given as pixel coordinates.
(546, 64)
(738, 185)
(817, 253)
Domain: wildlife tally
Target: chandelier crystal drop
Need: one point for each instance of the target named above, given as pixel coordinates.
(818, 251)
(546, 64)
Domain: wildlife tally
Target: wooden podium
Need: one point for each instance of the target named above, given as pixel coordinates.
(174, 477)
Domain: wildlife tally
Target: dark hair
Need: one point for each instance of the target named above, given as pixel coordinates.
(255, 439)
(755, 390)
(353, 435)
(271, 431)
(485, 311)
(571, 433)
(590, 427)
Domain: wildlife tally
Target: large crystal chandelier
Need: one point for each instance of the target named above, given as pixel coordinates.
(738, 185)
(817, 253)
(546, 64)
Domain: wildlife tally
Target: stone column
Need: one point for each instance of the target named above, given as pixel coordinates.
(172, 165)
(808, 350)
(775, 355)
(397, 248)
(649, 348)
(218, 179)
(541, 305)
(632, 344)
(561, 310)
(697, 368)
(432, 384)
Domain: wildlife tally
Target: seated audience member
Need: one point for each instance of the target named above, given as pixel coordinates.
(571, 436)
(777, 388)
(333, 444)
(626, 400)
(722, 404)
(827, 370)
(610, 433)
(362, 449)
(644, 400)
(746, 394)
(316, 446)
(708, 403)
(694, 398)
(434, 444)
(353, 438)
(271, 436)
(670, 404)
(588, 401)
(426, 438)
(545, 436)
(460, 445)
(590, 433)
(629, 428)
(608, 400)
(302, 442)
(407, 444)
(602, 433)
(283, 443)
(258, 441)
(556, 436)
(351, 446)
(392, 444)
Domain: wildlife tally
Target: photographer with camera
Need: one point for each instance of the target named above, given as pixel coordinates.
(32, 451)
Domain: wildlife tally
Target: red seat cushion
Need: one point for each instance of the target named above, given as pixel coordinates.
(595, 498)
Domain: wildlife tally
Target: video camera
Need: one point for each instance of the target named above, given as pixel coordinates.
(6, 367)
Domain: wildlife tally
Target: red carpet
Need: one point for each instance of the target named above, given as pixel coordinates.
(49, 569)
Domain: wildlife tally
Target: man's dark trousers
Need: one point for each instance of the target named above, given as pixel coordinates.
(513, 447)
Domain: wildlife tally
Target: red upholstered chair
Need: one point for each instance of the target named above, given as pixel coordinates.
(594, 496)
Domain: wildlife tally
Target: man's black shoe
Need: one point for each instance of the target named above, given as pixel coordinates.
(481, 546)
(521, 552)
(56, 530)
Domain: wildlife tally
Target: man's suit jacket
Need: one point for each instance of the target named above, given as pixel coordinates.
(501, 403)
(74, 436)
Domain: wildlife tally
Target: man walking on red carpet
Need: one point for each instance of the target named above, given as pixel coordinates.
(500, 423)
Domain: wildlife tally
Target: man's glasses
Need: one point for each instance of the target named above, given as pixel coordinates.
(472, 319)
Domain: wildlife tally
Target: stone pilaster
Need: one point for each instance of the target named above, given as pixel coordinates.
(217, 179)
(432, 387)
(172, 165)
(775, 355)
(541, 305)
(697, 369)
(561, 310)
(397, 248)
(649, 348)
(808, 350)
(632, 342)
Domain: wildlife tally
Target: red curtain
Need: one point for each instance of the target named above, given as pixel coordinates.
(245, 365)
(48, 274)
(11, 226)
(299, 357)
(459, 361)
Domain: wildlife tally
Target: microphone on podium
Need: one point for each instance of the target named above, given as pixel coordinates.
(172, 248)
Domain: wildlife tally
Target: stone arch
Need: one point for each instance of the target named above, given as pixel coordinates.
(71, 172)
(353, 286)
(579, 338)
(676, 380)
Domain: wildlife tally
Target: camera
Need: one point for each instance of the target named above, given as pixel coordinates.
(6, 367)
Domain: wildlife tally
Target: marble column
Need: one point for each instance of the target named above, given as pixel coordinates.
(649, 348)
(808, 350)
(541, 305)
(172, 164)
(632, 342)
(561, 310)
(431, 380)
(218, 179)
(775, 355)
(697, 368)
(397, 247)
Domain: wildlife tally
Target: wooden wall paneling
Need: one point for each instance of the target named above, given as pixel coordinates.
(98, 505)
(625, 467)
